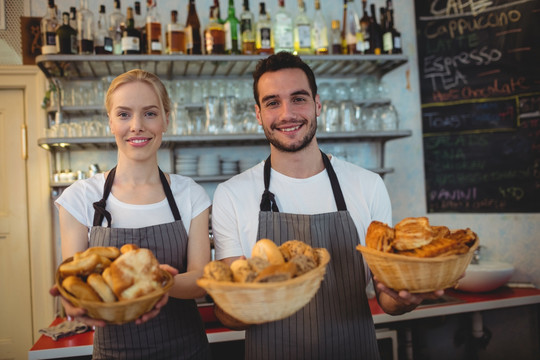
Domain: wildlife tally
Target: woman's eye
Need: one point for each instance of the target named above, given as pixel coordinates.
(123, 115)
(151, 114)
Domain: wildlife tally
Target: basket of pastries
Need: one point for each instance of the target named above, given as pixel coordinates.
(274, 283)
(114, 285)
(416, 256)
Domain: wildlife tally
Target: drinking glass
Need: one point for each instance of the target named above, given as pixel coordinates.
(389, 117)
(214, 121)
(347, 114)
(330, 116)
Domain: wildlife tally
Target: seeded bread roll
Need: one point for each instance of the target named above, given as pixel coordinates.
(217, 270)
(292, 248)
(242, 271)
(268, 250)
(303, 264)
(258, 264)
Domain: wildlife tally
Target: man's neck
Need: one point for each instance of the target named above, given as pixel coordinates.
(300, 164)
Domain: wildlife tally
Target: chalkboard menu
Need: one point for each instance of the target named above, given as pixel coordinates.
(479, 66)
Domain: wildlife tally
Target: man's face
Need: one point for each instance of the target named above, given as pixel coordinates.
(288, 113)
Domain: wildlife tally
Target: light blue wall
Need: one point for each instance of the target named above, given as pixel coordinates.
(512, 238)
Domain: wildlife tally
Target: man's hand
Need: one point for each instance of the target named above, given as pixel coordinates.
(396, 303)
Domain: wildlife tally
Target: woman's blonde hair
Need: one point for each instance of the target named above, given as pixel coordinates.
(144, 77)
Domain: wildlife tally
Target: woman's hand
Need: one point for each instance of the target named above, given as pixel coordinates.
(75, 313)
(161, 303)
(396, 303)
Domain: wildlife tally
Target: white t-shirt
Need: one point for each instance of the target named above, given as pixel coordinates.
(236, 205)
(78, 198)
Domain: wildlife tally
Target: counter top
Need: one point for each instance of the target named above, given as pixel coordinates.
(454, 302)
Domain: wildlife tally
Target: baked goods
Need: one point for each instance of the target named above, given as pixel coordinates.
(416, 237)
(105, 274)
(268, 250)
(128, 247)
(268, 263)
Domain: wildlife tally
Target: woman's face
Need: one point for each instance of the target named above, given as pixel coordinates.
(137, 121)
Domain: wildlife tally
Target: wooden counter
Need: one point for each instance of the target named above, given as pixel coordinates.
(459, 302)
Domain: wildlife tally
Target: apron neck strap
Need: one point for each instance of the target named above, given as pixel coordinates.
(336, 189)
(268, 201)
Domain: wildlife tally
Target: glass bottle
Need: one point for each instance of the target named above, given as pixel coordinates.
(48, 25)
(214, 34)
(375, 34)
(140, 24)
(364, 28)
(193, 30)
(218, 14)
(302, 31)
(73, 17)
(103, 43)
(319, 31)
(66, 37)
(85, 29)
(247, 22)
(392, 37)
(263, 35)
(283, 29)
(232, 31)
(153, 30)
(131, 37)
(116, 23)
(335, 36)
(350, 27)
(175, 37)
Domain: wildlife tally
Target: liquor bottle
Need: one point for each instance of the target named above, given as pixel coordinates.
(302, 31)
(66, 37)
(349, 31)
(392, 37)
(131, 37)
(319, 31)
(48, 26)
(335, 38)
(232, 31)
(175, 38)
(103, 43)
(116, 23)
(283, 29)
(375, 34)
(263, 36)
(85, 29)
(73, 17)
(364, 28)
(193, 30)
(153, 30)
(247, 23)
(140, 24)
(214, 34)
(218, 14)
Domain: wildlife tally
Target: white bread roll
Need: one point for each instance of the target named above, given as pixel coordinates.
(268, 250)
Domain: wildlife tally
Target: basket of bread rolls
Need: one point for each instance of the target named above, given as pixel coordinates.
(114, 285)
(274, 283)
(416, 256)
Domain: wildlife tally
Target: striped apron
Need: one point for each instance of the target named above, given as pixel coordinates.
(337, 322)
(178, 331)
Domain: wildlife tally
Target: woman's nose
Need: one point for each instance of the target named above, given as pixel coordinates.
(137, 123)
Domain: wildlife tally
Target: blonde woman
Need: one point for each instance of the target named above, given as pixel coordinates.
(136, 202)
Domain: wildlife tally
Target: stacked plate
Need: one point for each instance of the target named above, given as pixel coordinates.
(209, 165)
(229, 166)
(186, 164)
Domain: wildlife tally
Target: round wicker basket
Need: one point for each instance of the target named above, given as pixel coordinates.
(256, 303)
(416, 275)
(119, 312)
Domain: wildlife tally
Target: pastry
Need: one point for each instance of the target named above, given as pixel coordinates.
(379, 236)
(134, 266)
(100, 286)
(412, 233)
(82, 266)
(78, 288)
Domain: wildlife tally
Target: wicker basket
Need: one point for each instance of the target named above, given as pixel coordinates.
(400, 272)
(119, 312)
(256, 303)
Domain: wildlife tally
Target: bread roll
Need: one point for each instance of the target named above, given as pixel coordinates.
(268, 250)
(100, 286)
(275, 273)
(242, 271)
(128, 247)
(303, 263)
(134, 266)
(217, 270)
(258, 264)
(106, 275)
(79, 289)
(139, 288)
(109, 252)
(83, 266)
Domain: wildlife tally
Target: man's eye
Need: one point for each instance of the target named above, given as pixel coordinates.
(271, 103)
(299, 99)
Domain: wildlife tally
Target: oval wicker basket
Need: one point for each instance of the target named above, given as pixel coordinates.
(119, 312)
(257, 303)
(416, 275)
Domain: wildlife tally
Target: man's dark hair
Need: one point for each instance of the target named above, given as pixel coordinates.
(282, 60)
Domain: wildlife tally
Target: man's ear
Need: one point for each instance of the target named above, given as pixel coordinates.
(258, 114)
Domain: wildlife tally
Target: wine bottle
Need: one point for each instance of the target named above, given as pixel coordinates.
(73, 17)
(85, 29)
(392, 37)
(193, 30)
(375, 34)
(214, 34)
(48, 26)
(302, 31)
(283, 29)
(153, 30)
(350, 27)
(103, 43)
(116, 23)
(175, 37)
(319, 31)
(247, 23)
(232, 31)
(364, 28)
(66, 37)
(263, 35)
(218, 12)
(140, 24)
(335, 36)
(131, 37)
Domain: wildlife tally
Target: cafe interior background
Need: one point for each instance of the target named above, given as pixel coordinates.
(28, 254)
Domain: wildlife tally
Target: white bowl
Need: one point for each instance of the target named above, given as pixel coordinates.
(485, 276)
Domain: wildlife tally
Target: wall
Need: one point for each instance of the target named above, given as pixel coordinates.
(507, 237)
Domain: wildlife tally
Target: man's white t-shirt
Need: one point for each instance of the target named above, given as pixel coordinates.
(78, 198)
(236, 205)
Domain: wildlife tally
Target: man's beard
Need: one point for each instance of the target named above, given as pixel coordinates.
(294, 147)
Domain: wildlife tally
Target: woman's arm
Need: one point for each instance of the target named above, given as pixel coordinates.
(198, 255)
(73, 234)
